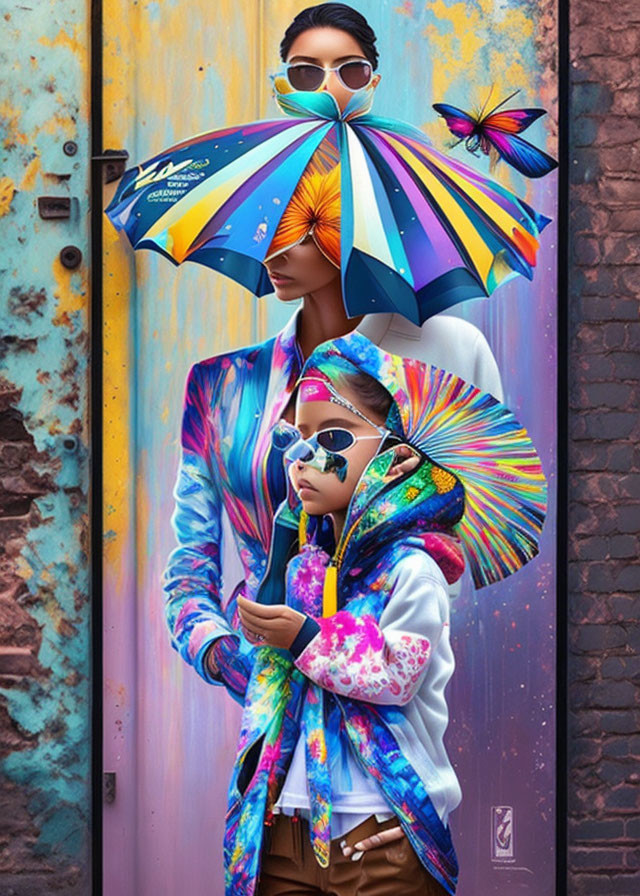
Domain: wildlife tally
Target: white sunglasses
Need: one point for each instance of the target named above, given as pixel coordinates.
(353, 75)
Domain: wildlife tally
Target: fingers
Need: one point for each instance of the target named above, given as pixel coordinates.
(252, 635)
(405, 459)
(260, 611)
(410, 461)
(407, 465)
(380, 839)
(277, 615)
(262, 631)
(261, 624)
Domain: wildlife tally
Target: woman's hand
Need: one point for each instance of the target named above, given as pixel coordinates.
(371, 842)
(273, 624)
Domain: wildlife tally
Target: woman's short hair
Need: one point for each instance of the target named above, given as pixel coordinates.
(333, 15)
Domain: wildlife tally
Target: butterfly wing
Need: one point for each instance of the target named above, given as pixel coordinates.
(511, 121)
(522, 155)
(459, 123)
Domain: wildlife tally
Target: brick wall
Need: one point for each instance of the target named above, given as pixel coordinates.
(604, 449)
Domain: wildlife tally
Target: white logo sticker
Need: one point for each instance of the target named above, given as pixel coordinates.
(502, 833)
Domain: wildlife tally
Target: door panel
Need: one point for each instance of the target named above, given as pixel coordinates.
(174, 69)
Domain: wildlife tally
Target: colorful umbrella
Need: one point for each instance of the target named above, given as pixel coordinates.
(417, 232)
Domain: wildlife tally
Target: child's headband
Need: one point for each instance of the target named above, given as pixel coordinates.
(312, 388)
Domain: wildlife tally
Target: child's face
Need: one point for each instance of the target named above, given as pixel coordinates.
(323, 493)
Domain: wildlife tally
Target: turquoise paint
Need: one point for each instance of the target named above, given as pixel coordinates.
(44, 104)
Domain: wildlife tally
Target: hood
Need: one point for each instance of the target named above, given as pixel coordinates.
(480, 479)
(426, 500)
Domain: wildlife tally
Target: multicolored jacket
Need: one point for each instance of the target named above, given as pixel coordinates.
(349, 676)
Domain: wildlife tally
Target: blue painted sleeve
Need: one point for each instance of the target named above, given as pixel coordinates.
(309, 630)
(192, 578)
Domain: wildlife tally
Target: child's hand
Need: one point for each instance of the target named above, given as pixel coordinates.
(405, 459)
(274, 624)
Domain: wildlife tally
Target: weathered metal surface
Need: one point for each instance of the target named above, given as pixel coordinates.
(44, 453)
(169, 736)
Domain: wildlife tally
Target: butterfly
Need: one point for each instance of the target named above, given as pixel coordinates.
(497, 131)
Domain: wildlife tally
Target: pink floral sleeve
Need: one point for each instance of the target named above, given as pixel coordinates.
(354, 657)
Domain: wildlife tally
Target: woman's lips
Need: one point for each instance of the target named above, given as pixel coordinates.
(279, 279)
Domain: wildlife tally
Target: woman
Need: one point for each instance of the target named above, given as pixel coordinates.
(233, 400)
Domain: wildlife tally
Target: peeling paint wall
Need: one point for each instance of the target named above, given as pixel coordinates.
(44, 452)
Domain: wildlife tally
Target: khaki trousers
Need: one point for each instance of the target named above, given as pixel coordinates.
(289, 867)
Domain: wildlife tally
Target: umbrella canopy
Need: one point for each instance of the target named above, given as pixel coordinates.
(418, 232)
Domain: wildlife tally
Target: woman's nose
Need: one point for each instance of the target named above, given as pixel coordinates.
(333, 86)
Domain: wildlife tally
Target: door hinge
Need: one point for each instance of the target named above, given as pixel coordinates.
(114, 163)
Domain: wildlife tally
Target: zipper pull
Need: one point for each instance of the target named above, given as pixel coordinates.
(330, 591)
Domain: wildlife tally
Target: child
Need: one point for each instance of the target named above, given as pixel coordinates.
(344, 703)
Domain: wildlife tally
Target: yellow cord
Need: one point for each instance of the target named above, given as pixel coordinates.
(330, 588)
(302, 528)
(330, 592)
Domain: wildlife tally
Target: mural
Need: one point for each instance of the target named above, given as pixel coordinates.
(169, 736)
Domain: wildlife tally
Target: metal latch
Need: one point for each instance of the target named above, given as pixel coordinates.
(54, 206)
(109, 787)
(114, 163)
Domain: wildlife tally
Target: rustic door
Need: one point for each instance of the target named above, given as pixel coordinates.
(172, 69)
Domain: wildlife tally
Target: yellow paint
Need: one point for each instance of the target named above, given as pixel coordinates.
(31, 172)
(70, 299)
(461, 43)
(7, 192)
(11, 115)
(58, 124)
(118, 468)
(120, 62)
(76, 41)
(23, 568)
